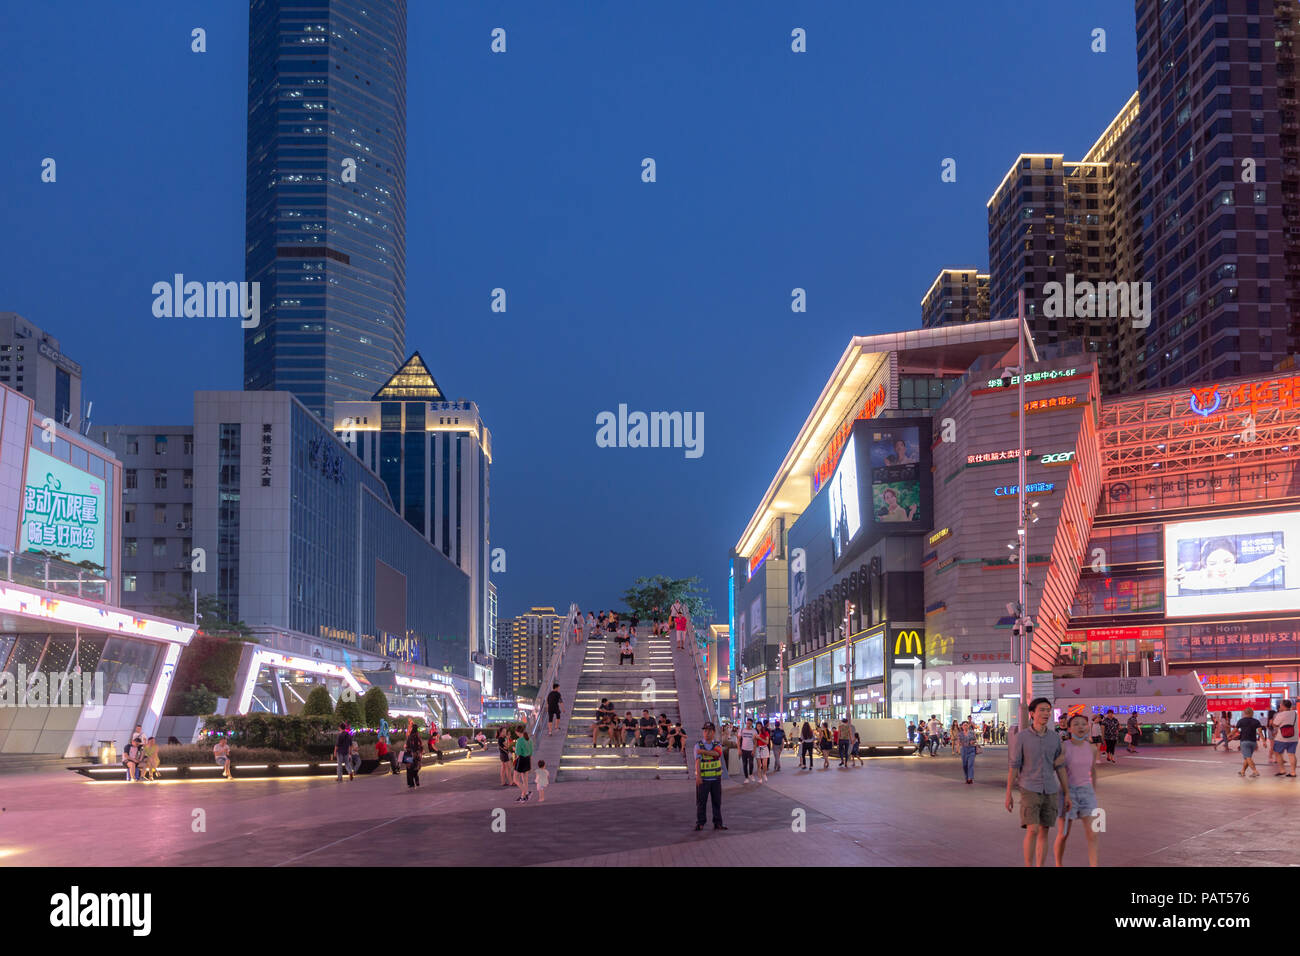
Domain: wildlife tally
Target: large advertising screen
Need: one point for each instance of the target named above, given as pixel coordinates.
(896, 475)
(1232, 565)
(63, 510)
(846, 514)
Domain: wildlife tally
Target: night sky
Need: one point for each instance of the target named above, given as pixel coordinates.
(775, 170)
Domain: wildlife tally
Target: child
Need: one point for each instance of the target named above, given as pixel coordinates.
(543, 777)
(856, 753)
(151, 759)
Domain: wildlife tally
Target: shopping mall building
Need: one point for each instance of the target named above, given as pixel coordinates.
(1157, 545)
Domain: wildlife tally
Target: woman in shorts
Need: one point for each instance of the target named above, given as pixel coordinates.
(826, 743)
(503, 751)
(762, 750)
(523, 762)
(1081, 776)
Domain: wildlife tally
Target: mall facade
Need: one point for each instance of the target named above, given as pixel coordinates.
(1157, 541)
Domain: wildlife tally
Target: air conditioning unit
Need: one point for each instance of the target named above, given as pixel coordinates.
(182, 526)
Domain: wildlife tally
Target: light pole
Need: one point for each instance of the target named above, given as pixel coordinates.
(848, 661)
(1020, 652)
(780, 682)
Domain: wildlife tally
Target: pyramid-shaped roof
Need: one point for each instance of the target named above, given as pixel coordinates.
(411, 382)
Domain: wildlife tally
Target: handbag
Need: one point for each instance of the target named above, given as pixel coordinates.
(1128, 738)
(406, 758)
(1286, 730)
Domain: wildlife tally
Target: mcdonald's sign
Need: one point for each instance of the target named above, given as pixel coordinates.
(909, 646)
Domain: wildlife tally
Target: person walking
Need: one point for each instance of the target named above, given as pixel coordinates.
(1248, 732)
(825, 741)
(1110, 734)
(855, 755)
(679, 614)
(1037, 767)
(1284, 738)
(1221, 732)
(1081, 777)
(936, 735)
(503, 752)
(411, 758)
(554, 704)
(342, 748)
(953, 730)
(922, 737)
(778, 744)
(747, 749)
(523, 762)
(708, 778)
(807, 739)
(762, 750)
(1132, 733)
(968, 742)
(1266, 737)
(911, 732)
(845, 740)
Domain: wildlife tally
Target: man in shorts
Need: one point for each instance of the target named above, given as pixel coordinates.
(1037, 766)
(553, 703)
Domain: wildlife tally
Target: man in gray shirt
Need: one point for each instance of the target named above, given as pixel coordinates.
(1037, 764)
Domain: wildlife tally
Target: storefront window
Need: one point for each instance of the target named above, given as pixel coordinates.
(127, 662)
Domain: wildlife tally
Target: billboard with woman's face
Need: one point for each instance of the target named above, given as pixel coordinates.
(845, 508)
(1231, 565)
(896, 475)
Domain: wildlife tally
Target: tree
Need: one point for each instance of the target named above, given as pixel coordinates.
(214, 616)
(196, 702)
(348, 709)
(318, 702)
(662, 592)
(375, 705)
(527, 692)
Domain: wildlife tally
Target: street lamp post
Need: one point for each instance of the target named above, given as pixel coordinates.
(780, 682)
(1021, 651)
(848, 660)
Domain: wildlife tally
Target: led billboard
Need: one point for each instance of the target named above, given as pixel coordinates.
(845, 508)
(63, 510)
(1232, 565)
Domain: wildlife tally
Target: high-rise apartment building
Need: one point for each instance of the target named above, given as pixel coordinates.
(31, 363)
(326, 197)
(533, 638)
(955, 296)
(435, 456)
(1069, 222)
(1220, 182)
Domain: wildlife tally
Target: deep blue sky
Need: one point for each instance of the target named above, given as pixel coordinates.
(775, 170)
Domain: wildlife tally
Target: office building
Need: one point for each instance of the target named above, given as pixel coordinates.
(326, 197)
(435, 457)
(157, 515)
(1220, 195)
(302, 537)
(32, 363)
(956, 296)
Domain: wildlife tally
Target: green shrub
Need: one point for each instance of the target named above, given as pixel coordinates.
(195, 702)
(375, 705)
(171, 756)
(318, 702)
(348, 710)
(209, 662)
(293, 732)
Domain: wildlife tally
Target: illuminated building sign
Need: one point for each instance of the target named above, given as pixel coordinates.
(1130, 708)
(1217, 704)
(940, 535)
(1060, 458)
(63, 510)
(1011, 454)
(1123, 634)
(1237, 680)
(946, 564)
(875, 401)
(1035, 378)
(1054, 404)
(764, 550)
(1034, 488)
(1250, 397)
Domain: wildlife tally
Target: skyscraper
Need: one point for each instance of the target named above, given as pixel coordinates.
(326, 197)
(956, 295)
(1219, 185)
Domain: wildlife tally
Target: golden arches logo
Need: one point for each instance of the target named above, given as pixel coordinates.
(913, 639)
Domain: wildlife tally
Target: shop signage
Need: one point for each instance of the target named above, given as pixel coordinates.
(1217, 704)
(1248, 397)
(1010, 454)
(947, 563)
(1034, 378)
(764, 550)
(63, 509)
(1060, 458)
(1230, 641)
(1237, 680)
(1054, 404)
(939, 536)
(1124, 634)
(909, 647)
(823, 700)
(872, 405)
(266, 454)
(1035, 488)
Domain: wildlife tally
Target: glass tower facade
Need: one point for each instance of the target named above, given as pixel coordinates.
(326, 197)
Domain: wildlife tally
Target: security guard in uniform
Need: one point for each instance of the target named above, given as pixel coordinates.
(708, 778)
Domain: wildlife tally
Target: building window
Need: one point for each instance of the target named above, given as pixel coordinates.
(160, 479)
(128, 514)
(159, 514)
(160, 580)
(129, 547)
(160, 444)
(189, 478)
(133, 444)
(189, 445)
(128, 582)
(130, 479)
(160, 547)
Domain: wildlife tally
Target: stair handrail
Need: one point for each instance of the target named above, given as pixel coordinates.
(698, 660)
(553, 669)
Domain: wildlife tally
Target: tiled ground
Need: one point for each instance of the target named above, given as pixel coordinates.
(1172, 807)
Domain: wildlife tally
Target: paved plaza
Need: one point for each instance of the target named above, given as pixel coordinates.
(1173, 807)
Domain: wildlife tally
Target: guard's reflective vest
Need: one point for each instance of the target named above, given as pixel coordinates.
(710, 762)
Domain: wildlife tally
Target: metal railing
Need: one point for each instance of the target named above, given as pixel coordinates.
(51, 574)
(553, 669)
(698, 660)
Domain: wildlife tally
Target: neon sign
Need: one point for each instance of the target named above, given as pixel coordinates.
(764, 550)
(1036, 377)
(1055, 403)
(869, 408)
(1060, 458)
(1036, 488)
(1249, 397)
(1011, 454)
(940, 535)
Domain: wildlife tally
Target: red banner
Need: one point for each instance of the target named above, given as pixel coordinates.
(1124, 633)
(1216, 704)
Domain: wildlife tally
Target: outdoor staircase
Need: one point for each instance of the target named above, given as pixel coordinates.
(603, 676)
